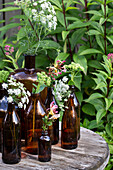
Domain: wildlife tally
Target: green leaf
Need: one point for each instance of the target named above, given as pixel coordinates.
(57, 3)
(109, 130)
(62, 56)
(100, 42)
(93, 32)
(77, 81)
(79, 96)
(76, 36)
(108, 103)
(81, 60)
(88, 109)
(48, 44)
(70, 8)
(64, 34)
(78, 24)
(94, 12)
(60, 18)
(100, 85)
(9, 9)
(100, 114)
(110, 39)
(94, 64)
(90, 51)
(9, 26)
(21, 34)
(98, 104)
(94, 96)
(93, 124)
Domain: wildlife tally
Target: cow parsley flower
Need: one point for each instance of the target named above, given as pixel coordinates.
(17, 93)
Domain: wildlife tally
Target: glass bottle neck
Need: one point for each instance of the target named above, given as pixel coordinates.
(29, 62)
(11, 107)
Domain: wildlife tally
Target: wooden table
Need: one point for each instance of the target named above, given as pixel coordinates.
(92, 154)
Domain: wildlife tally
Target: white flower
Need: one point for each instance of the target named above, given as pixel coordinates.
(10, 91)
(66, 107)
(20, 105)
(50, 24)
(28, 93)
(23, 99)
(24, 106)
(43, 6)
(27, 99)
(5, 86)
(34, 10)
(17, 91)
(65, 79)
(35, 3)
(10, 99)
(49, 17)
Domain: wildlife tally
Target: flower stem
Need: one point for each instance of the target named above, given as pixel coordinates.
(105, 27)
(33, 28)
(66, 30)
(87, 17)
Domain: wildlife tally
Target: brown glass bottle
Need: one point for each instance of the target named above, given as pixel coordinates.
(34, 124)
(54, 129)
(69, 139)
(27, 76)
(44, 144)
(3, 109)
(77, 107)
(11, 136)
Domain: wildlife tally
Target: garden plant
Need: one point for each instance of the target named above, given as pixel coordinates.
(84, 35)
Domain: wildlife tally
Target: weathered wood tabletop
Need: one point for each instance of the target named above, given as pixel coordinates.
(92, 154)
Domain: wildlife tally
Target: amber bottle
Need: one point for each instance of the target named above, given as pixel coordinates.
(69, 138)
(54, 129)
(3, 109)
(77, 107)
(44, 143)
(27, 76)
(34, 124)
(11, 153)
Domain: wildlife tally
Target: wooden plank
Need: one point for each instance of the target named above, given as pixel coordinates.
(92, 153)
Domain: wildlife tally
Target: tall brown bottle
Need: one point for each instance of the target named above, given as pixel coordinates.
(27, 76)
(69, 139)
(34, 124)
(54, 129)
(77, 107)
(11, 153)
(3, 109)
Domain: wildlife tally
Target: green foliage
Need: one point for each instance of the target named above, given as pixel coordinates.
(3, 76)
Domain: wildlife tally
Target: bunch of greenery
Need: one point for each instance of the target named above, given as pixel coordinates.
(3, 76)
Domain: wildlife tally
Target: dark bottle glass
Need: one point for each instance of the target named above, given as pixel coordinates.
(69, 139)
(44, 144)
(3, 109)
(34, 124)
(27, 76)
(77, 107)
(11, 136)
(54, 129)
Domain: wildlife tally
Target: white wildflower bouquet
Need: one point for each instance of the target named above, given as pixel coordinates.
(39, 19)
(17, 93)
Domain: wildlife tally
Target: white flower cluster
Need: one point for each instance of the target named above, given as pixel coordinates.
(17, 93)
(40, 11)
(61, 91)
(46, 15)
(23, 3)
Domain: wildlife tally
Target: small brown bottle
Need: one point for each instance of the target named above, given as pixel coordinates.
(11, 136)
(54, 129)
(77, 107)
(69, 138)
(44, 144)
(34, 124)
